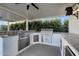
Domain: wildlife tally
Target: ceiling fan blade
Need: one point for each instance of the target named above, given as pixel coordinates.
(28, 7)
(34, 5)
(69, 10)
(17, 3)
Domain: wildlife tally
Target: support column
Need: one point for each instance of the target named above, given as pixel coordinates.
(8, 16)
(26, 24)
(8, 27)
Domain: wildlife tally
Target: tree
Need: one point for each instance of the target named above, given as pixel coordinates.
(12, 27)
(35, 25)
(18, 26)
(65, 26)
(56, 25)
(45, 24)
(38, 25)
(4, 27)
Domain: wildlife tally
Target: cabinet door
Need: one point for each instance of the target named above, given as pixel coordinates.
(47, 39)
(27, 42)
(23, 43)
(10, 45)
(36, 38)
(20, 44)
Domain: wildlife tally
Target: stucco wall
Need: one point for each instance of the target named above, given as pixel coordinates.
(73, 24)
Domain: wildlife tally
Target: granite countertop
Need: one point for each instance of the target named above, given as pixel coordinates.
(5, 36)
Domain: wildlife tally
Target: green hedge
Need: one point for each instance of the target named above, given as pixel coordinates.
(18, 26)
(56, 25)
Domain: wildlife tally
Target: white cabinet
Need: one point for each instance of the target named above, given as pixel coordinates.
(1, 46)
(9, 46)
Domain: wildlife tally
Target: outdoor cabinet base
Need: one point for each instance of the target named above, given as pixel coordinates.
(10, 45)
(22, 43)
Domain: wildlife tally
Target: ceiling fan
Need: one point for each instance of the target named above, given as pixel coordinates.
(28, 5)
(70, 9)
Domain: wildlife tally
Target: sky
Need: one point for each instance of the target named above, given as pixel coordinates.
(63, 18)
(48, 18)
(3, 22)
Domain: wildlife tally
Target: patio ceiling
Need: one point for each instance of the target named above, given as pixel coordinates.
(45, 10)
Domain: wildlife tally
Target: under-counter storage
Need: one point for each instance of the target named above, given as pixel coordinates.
(10, 45)
(1, 46)
(36, 38)
(23, 42)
